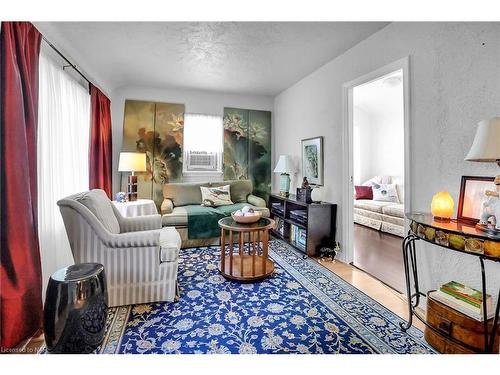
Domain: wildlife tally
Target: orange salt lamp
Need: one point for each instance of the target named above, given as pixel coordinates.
(442, 205)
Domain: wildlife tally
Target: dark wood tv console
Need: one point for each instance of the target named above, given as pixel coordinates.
(319, 223)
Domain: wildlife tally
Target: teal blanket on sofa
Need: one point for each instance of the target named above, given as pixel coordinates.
(203, 221)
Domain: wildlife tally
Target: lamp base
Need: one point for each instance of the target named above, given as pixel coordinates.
(442, 219)
(284, 185)
(132, 188)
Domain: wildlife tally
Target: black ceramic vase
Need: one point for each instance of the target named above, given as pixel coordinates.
(75, 311)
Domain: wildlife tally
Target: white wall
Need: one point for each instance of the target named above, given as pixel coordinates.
(378, 115)
(363, 146)
(388, 136)
(205, 102)
(455, 82)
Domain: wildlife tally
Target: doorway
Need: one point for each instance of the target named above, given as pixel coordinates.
(376, 168)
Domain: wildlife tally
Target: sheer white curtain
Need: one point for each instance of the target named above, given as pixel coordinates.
(63, 153)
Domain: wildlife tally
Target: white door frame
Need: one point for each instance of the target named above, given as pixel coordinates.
(347, 147)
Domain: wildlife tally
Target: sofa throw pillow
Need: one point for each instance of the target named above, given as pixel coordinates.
(240, 189)
(215, 196)
(364, 192)
(385, 193)
(377, 180)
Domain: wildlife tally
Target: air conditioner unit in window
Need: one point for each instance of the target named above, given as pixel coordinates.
(201, 161)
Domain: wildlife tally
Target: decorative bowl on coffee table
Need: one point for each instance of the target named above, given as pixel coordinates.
(247, 219)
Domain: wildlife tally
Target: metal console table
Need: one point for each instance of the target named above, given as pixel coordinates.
(455, 236)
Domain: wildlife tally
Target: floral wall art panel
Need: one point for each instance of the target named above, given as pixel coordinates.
(138, 123)
(235, 144)
(156, 129)
(247, 148)
(169, 127)
(259, 152)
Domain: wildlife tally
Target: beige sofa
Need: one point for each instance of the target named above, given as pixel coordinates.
(383, 216)
(388, 217)
(179, 196)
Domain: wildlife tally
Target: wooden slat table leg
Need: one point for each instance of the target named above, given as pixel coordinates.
(242, 253)
(249, 243)
(265, 244)
(231, 252)
(223, 250)
(258, 242)
(245, 242)
(254, 251)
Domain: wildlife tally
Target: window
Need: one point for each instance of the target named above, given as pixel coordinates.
(202, 143)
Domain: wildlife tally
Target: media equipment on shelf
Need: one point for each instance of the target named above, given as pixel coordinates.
(277, 208)
(299, 216)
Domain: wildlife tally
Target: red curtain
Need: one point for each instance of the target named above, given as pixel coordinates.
(100, 154)
(20, 280)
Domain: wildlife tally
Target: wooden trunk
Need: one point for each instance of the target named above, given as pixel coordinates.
(457, 325)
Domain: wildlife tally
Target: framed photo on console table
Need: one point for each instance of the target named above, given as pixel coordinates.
(312, 160)
(472, 196)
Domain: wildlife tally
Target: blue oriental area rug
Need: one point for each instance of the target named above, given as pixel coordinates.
(301, 308)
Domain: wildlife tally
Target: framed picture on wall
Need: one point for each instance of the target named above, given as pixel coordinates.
(312, 160)
(470, 201)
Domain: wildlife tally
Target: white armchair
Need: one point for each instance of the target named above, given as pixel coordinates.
(140, 257)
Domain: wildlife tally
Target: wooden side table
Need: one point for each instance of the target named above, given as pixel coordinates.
(455, 236)
(251, 262)
(140, 207)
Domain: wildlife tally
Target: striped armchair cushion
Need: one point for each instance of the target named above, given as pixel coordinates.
(99, 204)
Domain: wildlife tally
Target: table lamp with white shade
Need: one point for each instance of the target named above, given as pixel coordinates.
(486, 148)
(132, 162)
(486, 145)
(284, 166)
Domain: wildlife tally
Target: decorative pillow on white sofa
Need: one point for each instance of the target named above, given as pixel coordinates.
(385, 193)
(377, 180)
(215, 196)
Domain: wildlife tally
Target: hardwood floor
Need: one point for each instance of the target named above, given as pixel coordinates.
(379, 254)
(386, 296)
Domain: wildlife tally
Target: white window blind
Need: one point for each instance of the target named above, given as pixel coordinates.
(202, 143)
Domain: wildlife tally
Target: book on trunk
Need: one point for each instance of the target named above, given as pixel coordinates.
(460, 306)
(466, 294)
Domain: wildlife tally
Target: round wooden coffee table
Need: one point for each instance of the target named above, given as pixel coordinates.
(251, 261)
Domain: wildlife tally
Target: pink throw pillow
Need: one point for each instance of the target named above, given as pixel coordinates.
(364, 192)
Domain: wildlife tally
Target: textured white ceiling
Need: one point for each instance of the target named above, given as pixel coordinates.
(243, 57)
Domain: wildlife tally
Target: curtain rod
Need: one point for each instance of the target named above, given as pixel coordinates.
(69, 62)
